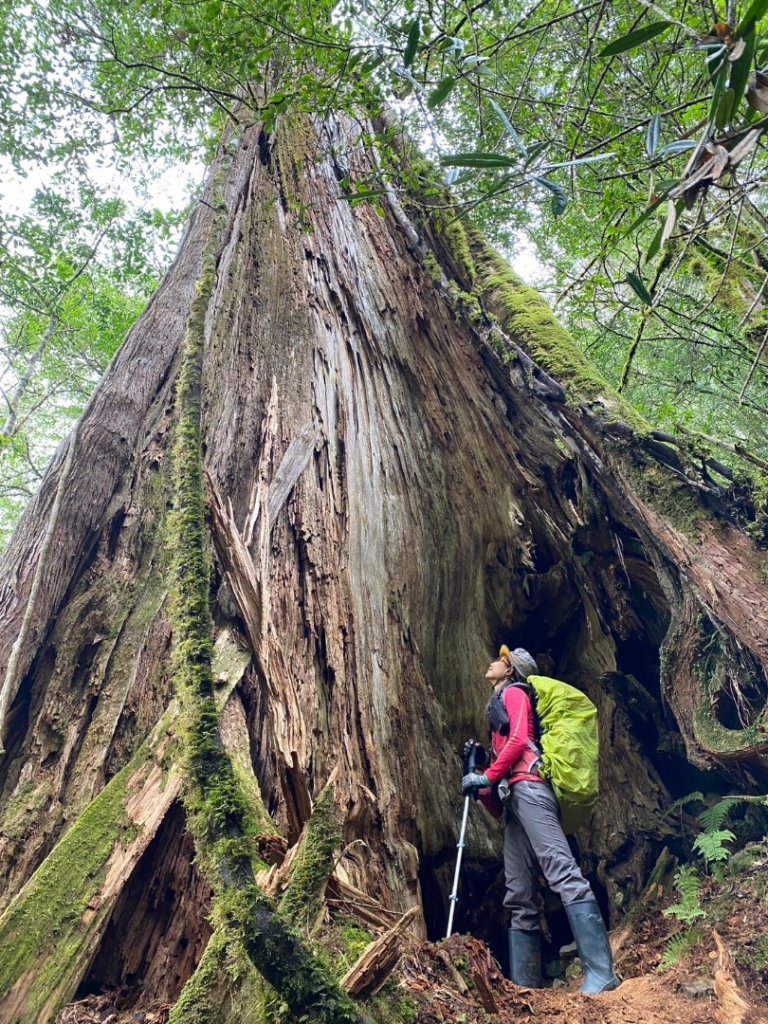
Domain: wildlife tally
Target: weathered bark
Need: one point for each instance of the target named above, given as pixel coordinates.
(408, 464)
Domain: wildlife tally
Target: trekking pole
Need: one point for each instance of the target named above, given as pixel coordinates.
(469, 766)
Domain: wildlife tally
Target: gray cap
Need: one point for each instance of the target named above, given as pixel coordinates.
(521, 660)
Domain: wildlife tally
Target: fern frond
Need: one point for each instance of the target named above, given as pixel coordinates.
(678, 804)
(713, 817)
(688, 885)
(677, 947)
(711, 845)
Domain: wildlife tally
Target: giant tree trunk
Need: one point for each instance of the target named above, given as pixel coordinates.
(409, 463)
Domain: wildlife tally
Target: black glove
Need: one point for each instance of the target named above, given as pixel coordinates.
(473, 782)
(481, 754)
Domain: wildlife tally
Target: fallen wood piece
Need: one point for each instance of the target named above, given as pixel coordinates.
(450, 966)
(484, 993)
(345, 897)
(733, 1007)
(366, 976)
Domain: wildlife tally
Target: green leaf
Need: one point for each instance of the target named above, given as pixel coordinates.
(712, 845)
(559, 195)
(440, 93)
(453, 43)
(477, 160)
(412, 43)
(638, 287)
(498, 186)
(713, 817)
(741, 69)
(655, 245)
(362, 195)
(372, 63)
(580, 160)
(536, 150)
(510, 128)
(756, 10)
(634, 39)
(720, 80)
(725, 109)
(678, 146)
(652, 135)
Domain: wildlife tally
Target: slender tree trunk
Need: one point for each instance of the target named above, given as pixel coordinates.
(408, 463)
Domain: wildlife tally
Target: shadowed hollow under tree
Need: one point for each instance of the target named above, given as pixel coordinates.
(405, 462)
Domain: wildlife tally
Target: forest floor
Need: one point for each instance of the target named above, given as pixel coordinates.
(711, 970)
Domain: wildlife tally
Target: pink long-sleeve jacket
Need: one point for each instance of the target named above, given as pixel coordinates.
(512, 755)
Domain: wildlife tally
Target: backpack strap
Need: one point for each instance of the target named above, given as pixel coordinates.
(522, 684)
(498, 719)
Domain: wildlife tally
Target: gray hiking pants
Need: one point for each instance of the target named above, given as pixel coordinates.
(533, 833)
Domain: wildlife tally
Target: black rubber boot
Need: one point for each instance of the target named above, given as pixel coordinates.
(594, 948)
(525, 958)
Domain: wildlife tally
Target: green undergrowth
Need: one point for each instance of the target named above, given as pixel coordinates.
(393, 1005)
(729, 896)
(340, 944)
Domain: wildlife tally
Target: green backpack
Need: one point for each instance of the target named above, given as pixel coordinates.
(569, 747)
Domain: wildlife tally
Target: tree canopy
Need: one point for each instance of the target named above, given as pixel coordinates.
(622, 144)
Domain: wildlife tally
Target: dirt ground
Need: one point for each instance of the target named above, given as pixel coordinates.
(720, 978)
(458, 981)
(475, 992)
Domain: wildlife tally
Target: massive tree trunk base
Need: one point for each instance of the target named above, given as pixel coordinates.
(408, 462)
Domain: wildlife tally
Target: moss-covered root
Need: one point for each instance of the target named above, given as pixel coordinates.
(302, 901)
(216, 805)
(49, 932)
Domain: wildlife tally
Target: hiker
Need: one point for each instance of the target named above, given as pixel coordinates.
(533, 831)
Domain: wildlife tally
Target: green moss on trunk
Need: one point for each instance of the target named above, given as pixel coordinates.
(303, 898)
(201, 1000)
(528, 319)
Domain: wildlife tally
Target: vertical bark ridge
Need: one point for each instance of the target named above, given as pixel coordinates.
(220, 819)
